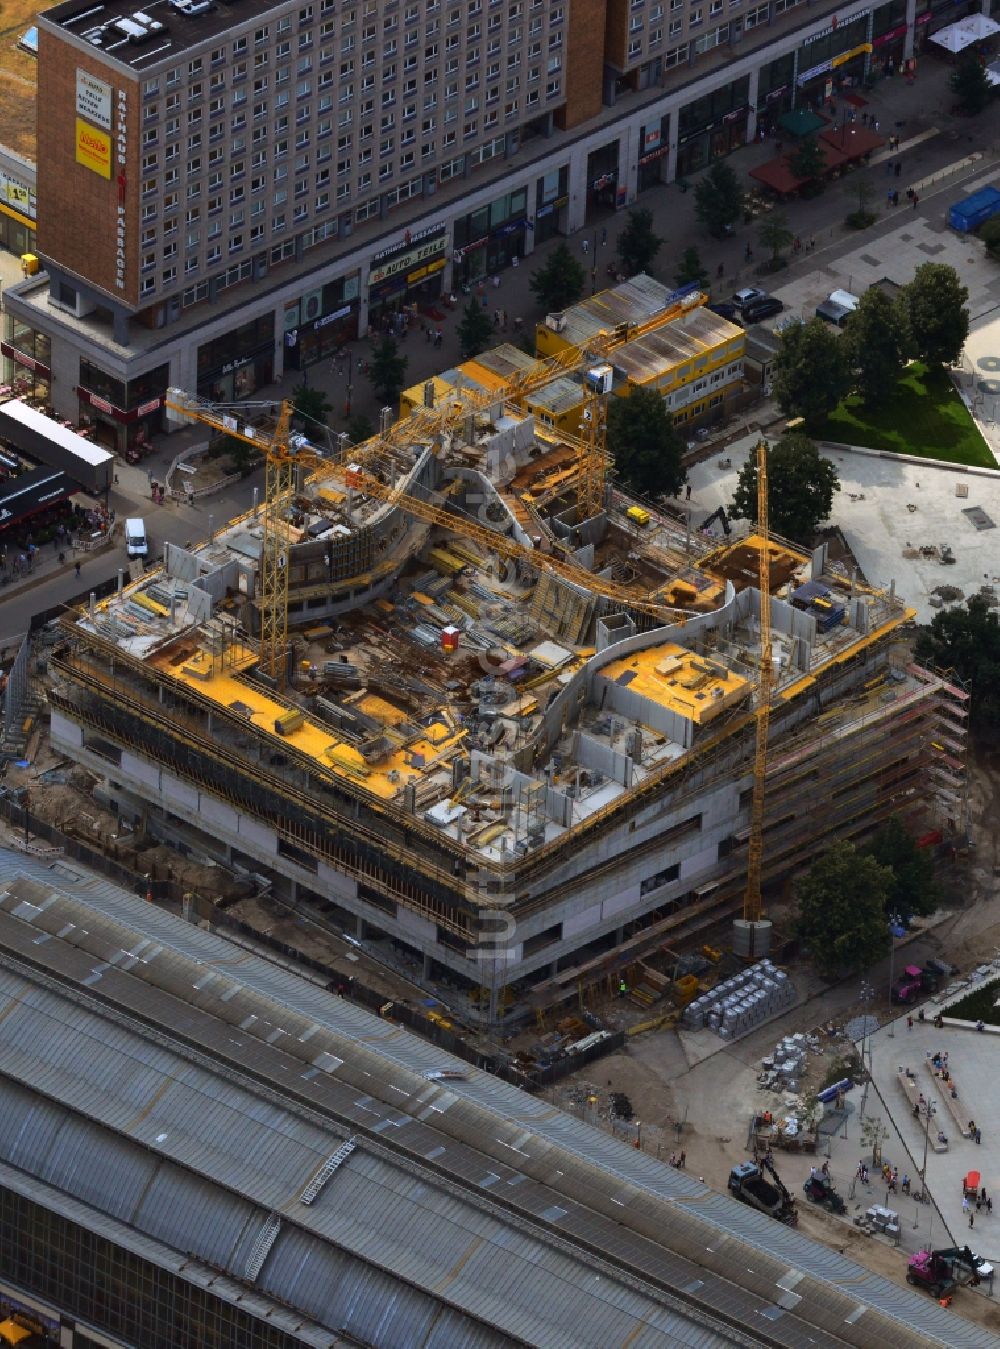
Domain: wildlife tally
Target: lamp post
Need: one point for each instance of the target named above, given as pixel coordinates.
(865, 996)
(894, 920)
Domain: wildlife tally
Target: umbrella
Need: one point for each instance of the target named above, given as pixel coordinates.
(954, 38)
(800, 122)
(980, 25)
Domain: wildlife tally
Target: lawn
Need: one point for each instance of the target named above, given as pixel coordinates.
(979, 1005)
(923, 415)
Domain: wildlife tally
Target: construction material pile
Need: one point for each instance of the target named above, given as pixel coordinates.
(737, 1006)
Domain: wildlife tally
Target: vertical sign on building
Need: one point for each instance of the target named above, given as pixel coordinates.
(121, 155)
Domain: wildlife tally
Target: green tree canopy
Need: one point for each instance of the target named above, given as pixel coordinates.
(913, 890)
(842, 908)
(559, 282)
(808, 159)
(877, 339)
(775, 234)
(638, 243)
(718, 198)
(311, 406)
(938, 319)
(644, 445)
(970, 85)
(475, 331)
(990, 235)
(359, 429)
(812, 372)
(800, 488)
(387, 370)
(966, 639)
(690, 271)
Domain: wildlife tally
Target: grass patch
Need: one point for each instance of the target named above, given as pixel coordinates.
(978, 1005)
(923, 415)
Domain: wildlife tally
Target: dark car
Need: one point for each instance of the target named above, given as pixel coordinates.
(725, 310)
(763, 308)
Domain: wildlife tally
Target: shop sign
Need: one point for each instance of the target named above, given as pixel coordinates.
(891, 36)
(93, 99)
(405, 261)
(93, 149)
(407, 242)
(121, 155)
(144, 409)
(551, 206)
(102, 405)
(604, 181)
(735, 115)
(27, 361)
(654, 155)
(17, 195)
(423, 272)
(921, 19)
(837, 20)
(844, 57)
(511, 227)
(340, 313)
(776, 93)
(651, 140)
(460, 253)
(813, 71)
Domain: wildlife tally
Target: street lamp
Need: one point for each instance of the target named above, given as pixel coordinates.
(865, 996)
(896, 929)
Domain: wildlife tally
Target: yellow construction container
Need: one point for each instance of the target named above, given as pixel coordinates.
(639, 515)
(289, 721)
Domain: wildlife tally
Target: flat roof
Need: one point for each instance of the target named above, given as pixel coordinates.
(680, 680)
(32, 492)
(33, 420)
(682, 339)
(142, 36)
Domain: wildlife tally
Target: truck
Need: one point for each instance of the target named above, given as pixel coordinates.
(967, 215)
(747, 1184)
(819, 1190)
(913, 982)
(941, 1272)
(48, 442)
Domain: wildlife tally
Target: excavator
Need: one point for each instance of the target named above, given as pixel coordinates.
(942, 1271)
(722, 518)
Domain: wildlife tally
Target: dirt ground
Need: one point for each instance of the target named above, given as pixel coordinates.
(17, 78)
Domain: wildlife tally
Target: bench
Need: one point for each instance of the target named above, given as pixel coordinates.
(911, 1090)
(955, 1106)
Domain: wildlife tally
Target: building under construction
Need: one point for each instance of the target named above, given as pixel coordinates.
(513, 744)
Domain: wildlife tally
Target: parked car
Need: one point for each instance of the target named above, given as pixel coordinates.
(743, 297)
(763, 308)
(725, 310)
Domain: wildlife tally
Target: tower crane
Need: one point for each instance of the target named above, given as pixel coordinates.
(284, 454)
(753, 932)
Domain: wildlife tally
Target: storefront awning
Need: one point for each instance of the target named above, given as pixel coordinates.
(800, 122)
(853, 140)
(778, 175)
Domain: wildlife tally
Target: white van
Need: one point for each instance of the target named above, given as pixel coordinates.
(136, 543)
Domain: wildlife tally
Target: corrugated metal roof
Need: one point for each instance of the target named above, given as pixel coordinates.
(386, 1205)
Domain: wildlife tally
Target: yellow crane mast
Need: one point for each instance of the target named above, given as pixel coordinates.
(756, 933)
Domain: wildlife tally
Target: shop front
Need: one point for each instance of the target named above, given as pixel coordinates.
(124, 416)
(775, 88)
(602, 179)
(833, 61)
(551, 198)
(654, 141)
(491, 239)
(713, 126)
(27, 357)
(407, 274)
(889, 37)
(239, 363)
(321, 322)
(939, 15)
(17, 212)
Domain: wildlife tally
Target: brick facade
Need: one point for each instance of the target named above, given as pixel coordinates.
(584, 65)
(78, 207)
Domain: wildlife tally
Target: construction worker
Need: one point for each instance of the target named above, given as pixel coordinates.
(622, 988)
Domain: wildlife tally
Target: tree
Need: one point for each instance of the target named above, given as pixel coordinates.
(990, 235)
(912, 890)
(938, 320)
(800, 488)
(387, 370)
(808, 160)
(559, 283)
(967, 640)
(242, 455)
(690, 270)
(862, 217)
(475, 331)
(842, 901)
(718, 199)
(970, 85)
(638, 243)
(775, 234)
(877, 339)
(310, 406)
(644, 445)
(812, 372)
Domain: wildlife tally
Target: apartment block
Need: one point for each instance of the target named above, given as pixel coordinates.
(228, 191)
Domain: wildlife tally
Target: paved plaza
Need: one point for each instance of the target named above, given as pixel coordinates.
(974, 1061)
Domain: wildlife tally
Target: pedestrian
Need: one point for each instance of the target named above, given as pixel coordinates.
(979, 1136)
(496, 318)
(888, 197)
(875, 123)
(62, 558)
(864, 119)
(585, 245)
(604, 236)
(812, 242)
(989, 1204)
(895, 202)
(898, 168)
(438, 338)
(748, 252)
(888, 168)
(909, 1023)
(979, 1204)
(673, 1159)
(427, 332)
(78, 567)
(972, 1220)
(965, 1203)
(687, 492)
(915, 199)
(503, 320)
(796, 245)
(682, 1160)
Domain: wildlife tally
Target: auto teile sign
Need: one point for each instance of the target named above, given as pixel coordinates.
(93, 149)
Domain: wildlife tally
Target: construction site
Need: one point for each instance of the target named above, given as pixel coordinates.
(443, 694)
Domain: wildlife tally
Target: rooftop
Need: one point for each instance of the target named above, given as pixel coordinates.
(658, 353)
(464, 1208)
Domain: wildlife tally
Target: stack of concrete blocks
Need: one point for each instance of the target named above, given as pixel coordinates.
(738, 1005)
(884, 1220)
(789, 1059)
